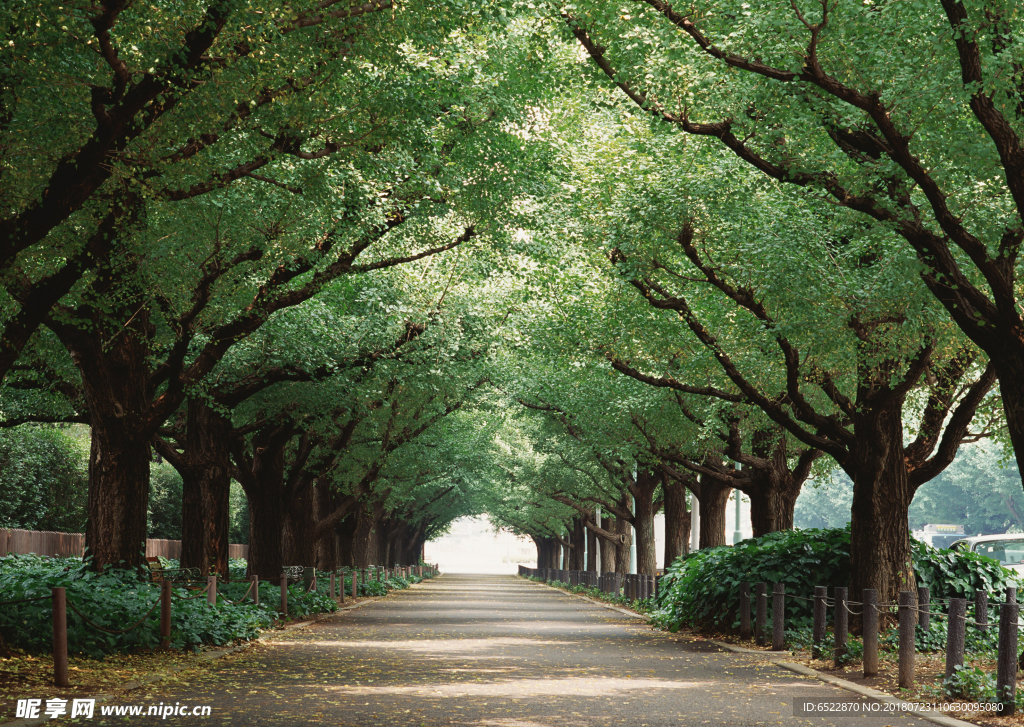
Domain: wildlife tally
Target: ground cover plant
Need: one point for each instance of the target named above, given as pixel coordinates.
(115, 599)
(702, 590)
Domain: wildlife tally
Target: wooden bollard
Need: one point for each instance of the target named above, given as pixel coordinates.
(981, 609)
(818, 625)
(58, 597)
(761, 617)
(165, 613)
(906, 624)
(745, 630)
(284, 595)
(779, 617)
(869, 623)
(1006, 666)
(355, 585)
(211, 590)
(924, 612)
(341, 576)
(841, 624)
(331, 587)
(956, 635)
(255, 589)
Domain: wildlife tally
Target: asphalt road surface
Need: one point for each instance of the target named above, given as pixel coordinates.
(490, 651)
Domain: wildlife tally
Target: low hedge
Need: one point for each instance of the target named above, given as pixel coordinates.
(703, 589)
(115, 599)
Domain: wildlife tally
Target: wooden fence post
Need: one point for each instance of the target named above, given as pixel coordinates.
(981, 609)
(924, 613)
(1006, 666)
(956, 633)
(907, 622)
(745, 611)
(842, 624)
(869, 623)
(761, 619)
(255, 589)
(818, 625)
(165, 613)
(211, 590)
(284, 595)
(779, 617)
(60, 637)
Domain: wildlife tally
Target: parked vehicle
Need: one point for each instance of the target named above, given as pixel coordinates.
(940, 536)
(1007, 548)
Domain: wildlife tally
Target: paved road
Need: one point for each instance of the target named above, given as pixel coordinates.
(492, 651)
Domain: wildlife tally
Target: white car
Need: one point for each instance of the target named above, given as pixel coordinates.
(1008, 549)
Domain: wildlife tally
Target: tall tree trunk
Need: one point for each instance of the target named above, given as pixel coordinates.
(677, 521)
(714, 498)
(114, 382)
(205, 469)
(643, 522)
(262, 478)
(366, 538)
(265, 531)
(880, 556)
(346, 530)
(539, 545)
(592, 547)
(609, 550)
(577, 556)
(299, 527)
(623, 552)
(327, 543)
(771, 503)
(774, 488)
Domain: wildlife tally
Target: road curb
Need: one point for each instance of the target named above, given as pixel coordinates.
(602, 604)
(849, 686)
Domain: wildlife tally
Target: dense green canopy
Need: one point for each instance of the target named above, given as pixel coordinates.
(383, 265)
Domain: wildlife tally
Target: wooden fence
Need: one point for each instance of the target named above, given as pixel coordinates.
(44, 542)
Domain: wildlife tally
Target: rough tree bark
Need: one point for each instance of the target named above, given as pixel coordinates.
(644, 508)
(677, 520)
(623, 554)
(577, 556)
(609, 550)
(592, 546)
(205, 468)
(114, 369)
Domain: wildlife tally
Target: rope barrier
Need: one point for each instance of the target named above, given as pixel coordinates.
(244, 595)
(973, 623)
(201, 593)
(109, 631)
(25, 600)
(852, 613)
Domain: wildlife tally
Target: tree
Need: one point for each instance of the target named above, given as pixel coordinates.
(844, 103)
(82, 141)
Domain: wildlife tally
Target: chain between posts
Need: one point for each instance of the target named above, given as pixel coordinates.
(25, 600)
(244, 595)
(202, 592)
(119, 631)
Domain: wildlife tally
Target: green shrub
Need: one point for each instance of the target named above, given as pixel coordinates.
(113, 599)
(118, 598)
(43, 479)
(702, 589)
(373, 588)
